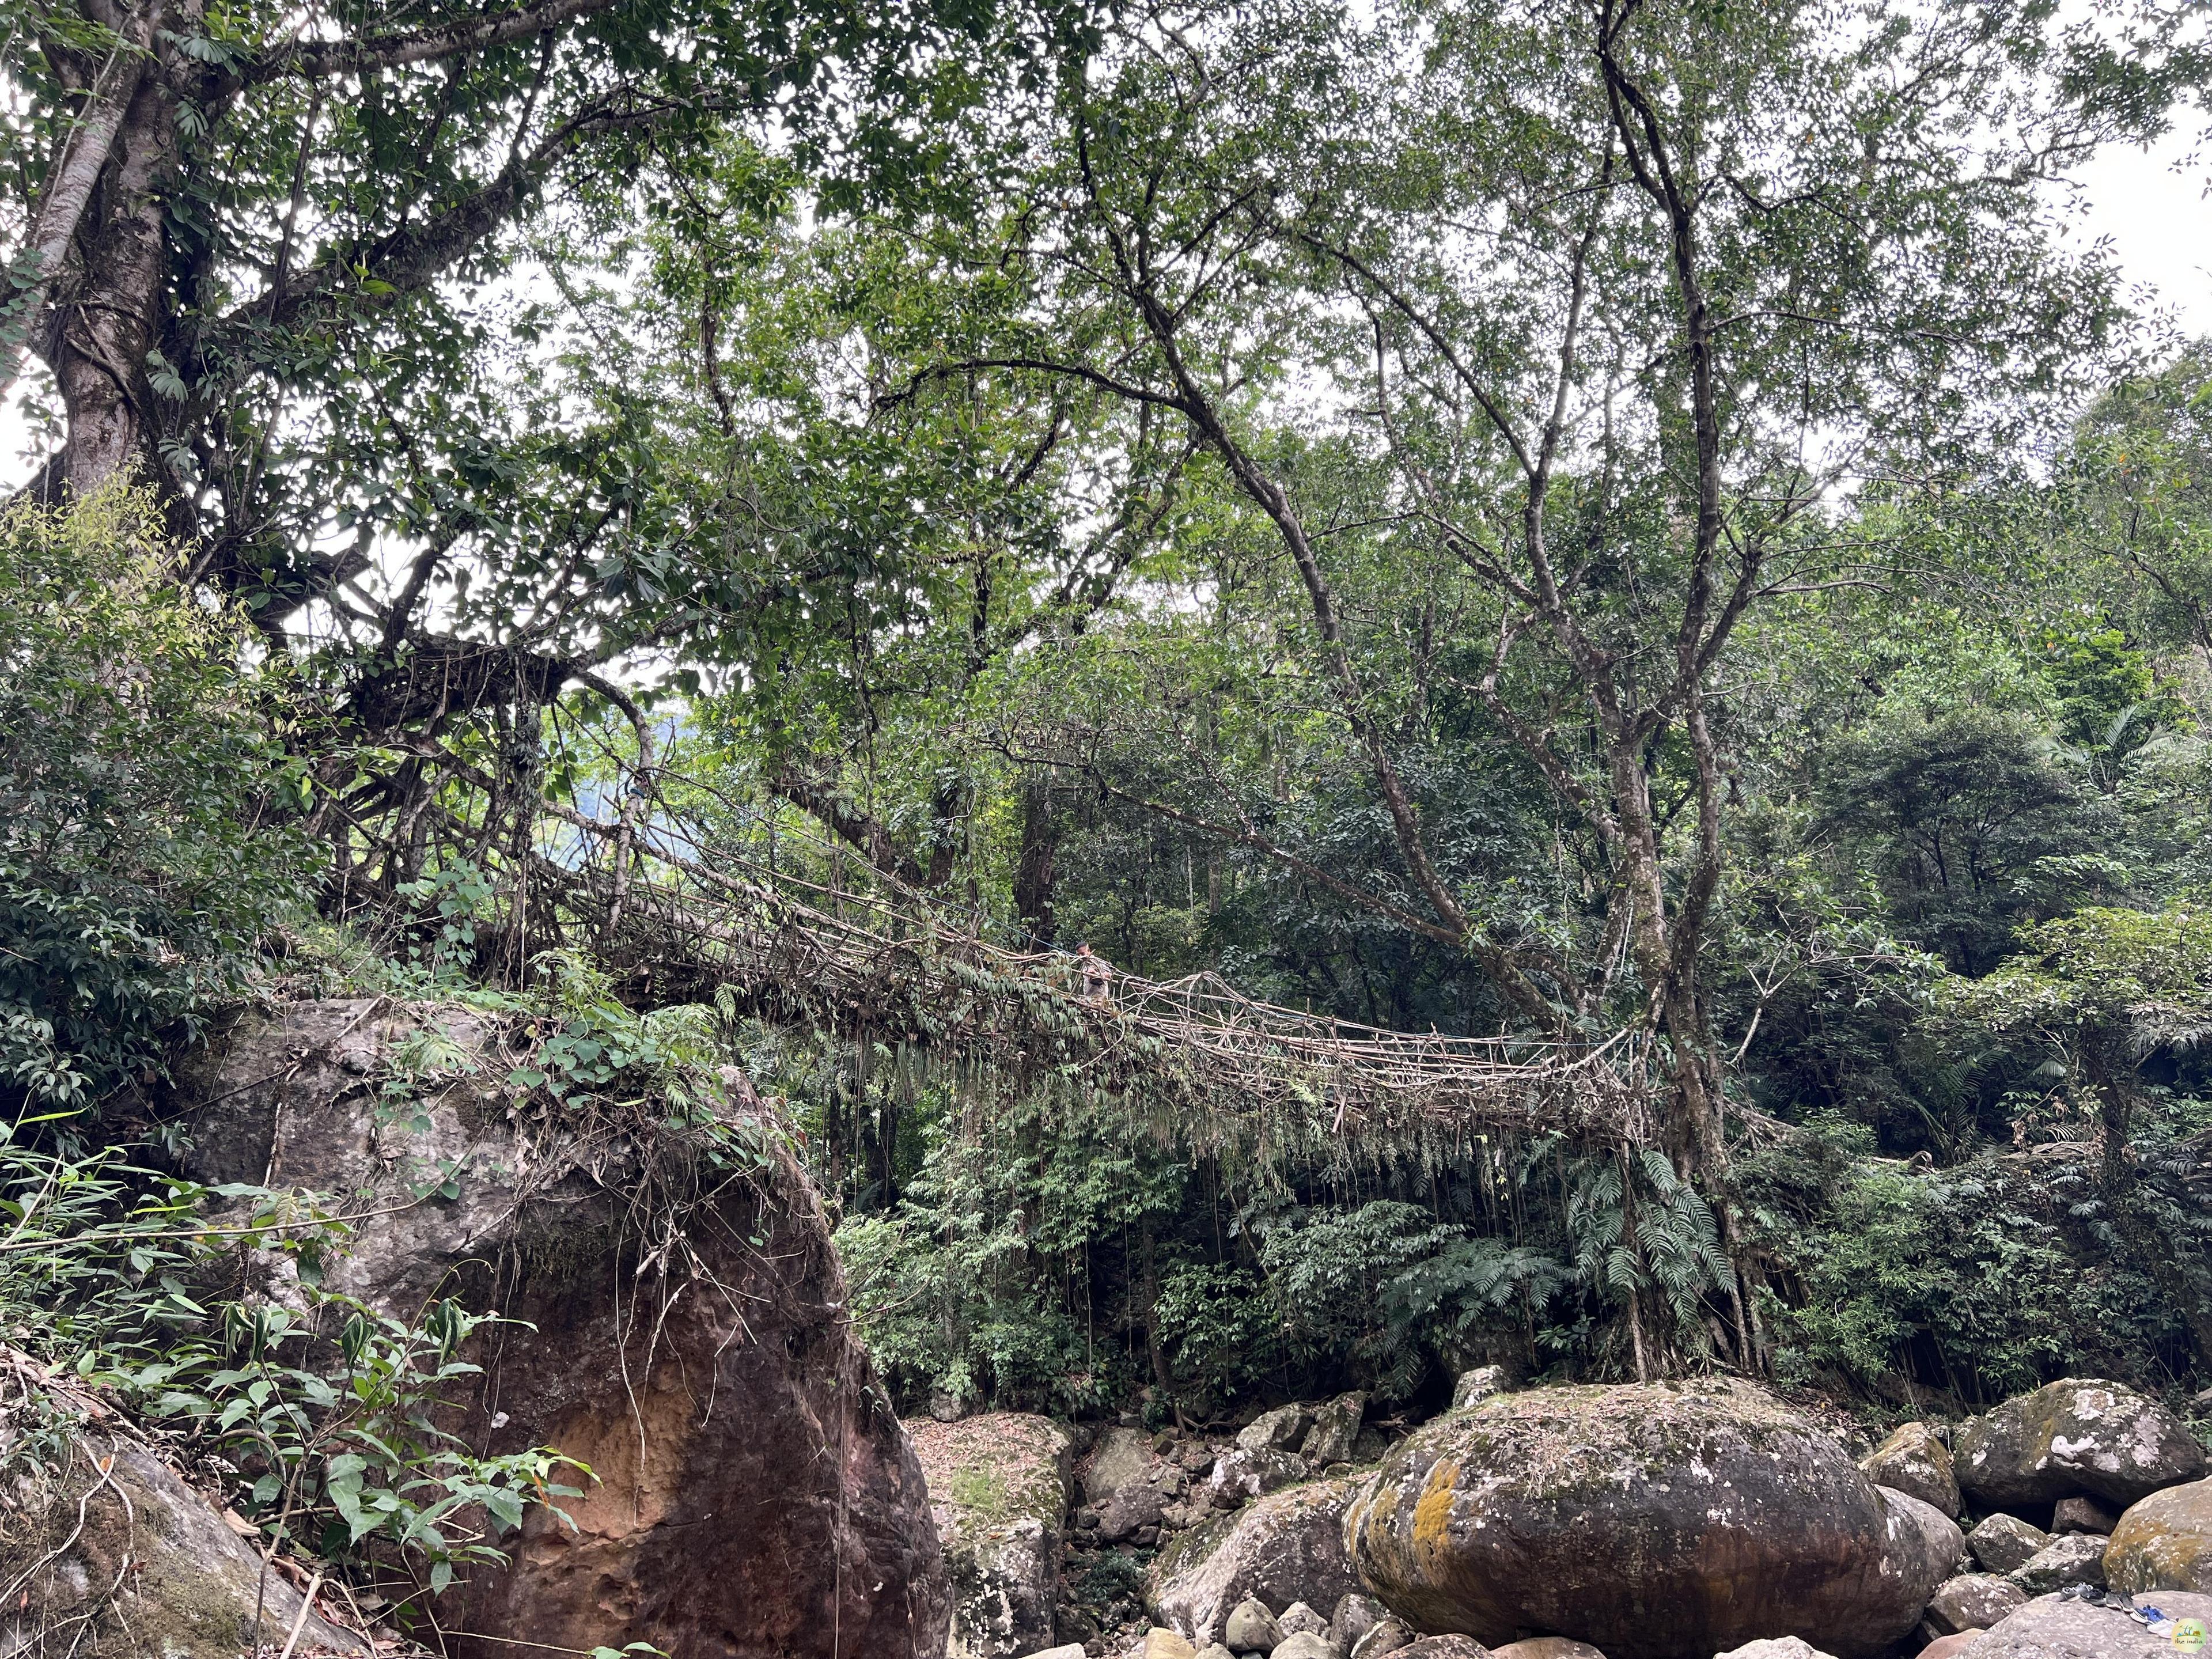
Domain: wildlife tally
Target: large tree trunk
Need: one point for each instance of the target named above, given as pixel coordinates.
(107, 303)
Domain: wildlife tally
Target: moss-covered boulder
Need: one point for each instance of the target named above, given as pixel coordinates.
(998, 1491)
(1914, 1459)
(2075, 1435)
(109, 1555)
(1668, 1521)
(1284, 1548)
(2163, 1542)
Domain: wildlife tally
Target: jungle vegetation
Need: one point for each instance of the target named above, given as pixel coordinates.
(1566, 521)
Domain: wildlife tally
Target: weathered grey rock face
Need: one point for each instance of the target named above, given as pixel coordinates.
(1913, 1460)
(2163, 1542)
(2076, 1558)
(1352, 1619)
(1659, 1523)
(1391, 1635)
(2049, 1628)
(2074, 1436)
(1444, 1647)
(1546, 1647)
(997, 1489)
(1775, 1647)
(1279, 1430)
(1121, 1456)
(1973, 1602)
(1473, 1387)
(152, 1570)
(2082, 1515)
(2004, 1542)
(756, 1496)
(1286, 1547)
(1250, 1628)
(1336, 1430)
(1243, 1473)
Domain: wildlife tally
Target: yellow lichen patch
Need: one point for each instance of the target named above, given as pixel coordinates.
(1433, 1515)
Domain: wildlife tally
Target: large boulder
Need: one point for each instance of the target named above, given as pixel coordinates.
(2056, 1627)
(1243, 1473)
(1972, 1601)
(1122, 1456)
(682, 1329)
(1656, 1523)
(2163, 1542)
(2004, 1542)
(1913, 1460)
(1285, 1547)
(2074, 1436)
(2074, 1559)
(1336, 1430)
(998, 1491)
(108, 1554)
(1279, 1430)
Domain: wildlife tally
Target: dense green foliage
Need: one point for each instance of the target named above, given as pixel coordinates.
(148, 832)
(1624, 528)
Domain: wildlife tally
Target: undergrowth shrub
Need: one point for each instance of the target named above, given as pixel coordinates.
(146, 805)
(321, 1412)
(1979, 1280)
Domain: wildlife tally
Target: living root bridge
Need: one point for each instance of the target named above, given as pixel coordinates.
(1203, 1064)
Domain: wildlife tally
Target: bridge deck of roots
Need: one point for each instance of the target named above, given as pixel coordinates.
(1208, 1062)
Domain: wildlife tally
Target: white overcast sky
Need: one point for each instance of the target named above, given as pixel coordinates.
(2150, 205)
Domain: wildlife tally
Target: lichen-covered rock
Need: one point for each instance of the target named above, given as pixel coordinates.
(1286, 1547)
(1388, 1636)
(113, 1552)
(1250, 1627)
(1354, 1617)
(1658, 1522)
(2004, 1542)
(1973, 1601)
(1473, 1387)
(1336, 1430)
(1243, 1473)
(1299, 1618)
(2050, 1627)
(1444, 1647)
(1304, 1644)
(1166, 1644)
(998, 1491)
(2074, 1436)
(1279, 1430)
(2076, 1558)
(1913, 1460)
(1121, 1456)
(2163, 1542)
(756, 1493)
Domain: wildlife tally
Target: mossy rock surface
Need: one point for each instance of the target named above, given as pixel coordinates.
(134, 1564)
(1667, 1521)
(998, 1491)
(1287, 1546)
(2164, 1543)
(988, 1470)
(2076, 1435)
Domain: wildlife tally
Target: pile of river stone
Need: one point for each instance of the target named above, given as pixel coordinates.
(1673, 1521)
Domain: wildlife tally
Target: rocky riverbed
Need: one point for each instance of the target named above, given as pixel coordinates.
(1676, 1521)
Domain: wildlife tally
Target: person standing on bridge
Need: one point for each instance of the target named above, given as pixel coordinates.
(1097, 974)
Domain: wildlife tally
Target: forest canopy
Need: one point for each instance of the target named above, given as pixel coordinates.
(1623, 533)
